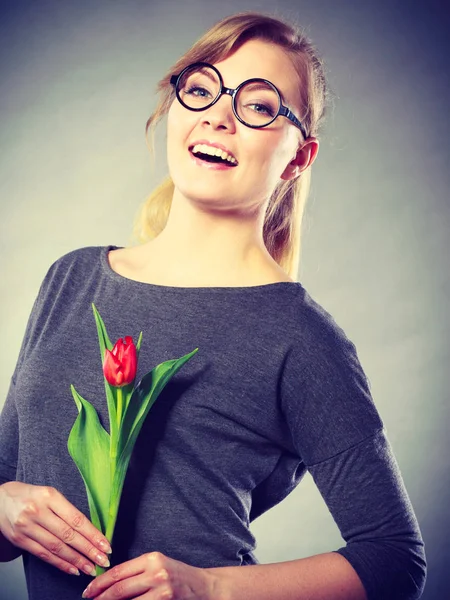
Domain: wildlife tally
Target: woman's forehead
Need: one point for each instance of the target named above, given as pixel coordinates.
(258, 58)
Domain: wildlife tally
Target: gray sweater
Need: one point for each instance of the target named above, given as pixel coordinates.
(275, 389)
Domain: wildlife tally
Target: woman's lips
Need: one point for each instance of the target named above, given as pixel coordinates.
(210, 165)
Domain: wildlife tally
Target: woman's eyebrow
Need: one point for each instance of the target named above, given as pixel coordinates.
(262, 86)
(206, 71)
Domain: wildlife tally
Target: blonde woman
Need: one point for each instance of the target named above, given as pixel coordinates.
(275, 389)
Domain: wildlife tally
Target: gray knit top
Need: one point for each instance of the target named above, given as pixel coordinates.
(276, 389)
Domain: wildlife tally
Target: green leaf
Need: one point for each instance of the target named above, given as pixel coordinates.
(128, 390)
(111, 392)
(138, 345)
(104, 340)
(88, 445)
(143, 398)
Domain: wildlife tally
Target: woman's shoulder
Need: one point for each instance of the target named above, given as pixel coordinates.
(81, 258)
(75, 266)
(316, 328)
(83, 255)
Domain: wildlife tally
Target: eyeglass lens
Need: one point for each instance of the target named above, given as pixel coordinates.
(256, 103)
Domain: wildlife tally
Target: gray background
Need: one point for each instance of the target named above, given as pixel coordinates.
(77, 85)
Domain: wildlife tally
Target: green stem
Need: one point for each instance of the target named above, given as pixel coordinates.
(112, 518)
(119, 406)
(112, 460)
(115, 434)
(114, 442)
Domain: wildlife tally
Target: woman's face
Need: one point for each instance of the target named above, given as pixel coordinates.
(262, 154)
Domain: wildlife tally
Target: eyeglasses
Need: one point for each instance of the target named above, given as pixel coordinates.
(256, 102)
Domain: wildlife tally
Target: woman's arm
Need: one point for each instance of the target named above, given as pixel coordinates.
(340, 436)
(326, 576)
(323, 577)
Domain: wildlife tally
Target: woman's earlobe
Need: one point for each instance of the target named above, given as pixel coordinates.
(291, 171)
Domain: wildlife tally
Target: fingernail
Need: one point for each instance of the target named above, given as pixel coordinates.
(105, 547)
(86, 592)
(74, 571)
(102, 560)
(90, 570)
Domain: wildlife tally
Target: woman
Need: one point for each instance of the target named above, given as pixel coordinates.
(275, 389)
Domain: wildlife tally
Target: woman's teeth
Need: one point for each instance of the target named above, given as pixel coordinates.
(212, 151)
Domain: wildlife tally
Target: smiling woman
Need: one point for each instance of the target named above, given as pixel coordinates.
(274, 120)
(267, 150)
(275, 390)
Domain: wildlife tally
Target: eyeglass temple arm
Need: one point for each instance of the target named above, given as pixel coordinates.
(285, 112)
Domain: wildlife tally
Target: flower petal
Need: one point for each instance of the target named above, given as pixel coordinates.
(111, 367)
(129, 363)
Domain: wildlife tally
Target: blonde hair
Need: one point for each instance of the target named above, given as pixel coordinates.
(284, 213)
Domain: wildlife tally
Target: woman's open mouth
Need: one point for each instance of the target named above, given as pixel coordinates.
(212, 158)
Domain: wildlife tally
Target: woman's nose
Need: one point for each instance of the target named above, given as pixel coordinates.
(220, 114)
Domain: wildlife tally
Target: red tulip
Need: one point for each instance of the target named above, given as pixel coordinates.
(119, 365)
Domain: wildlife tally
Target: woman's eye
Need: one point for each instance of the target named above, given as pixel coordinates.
(197, 91)
(262, 109)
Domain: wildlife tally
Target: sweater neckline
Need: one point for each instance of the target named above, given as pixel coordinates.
(106, 267)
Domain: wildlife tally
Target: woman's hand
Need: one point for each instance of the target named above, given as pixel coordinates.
(42, 521)
(153, 577)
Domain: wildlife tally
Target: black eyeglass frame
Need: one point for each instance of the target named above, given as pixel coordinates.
(284, 111)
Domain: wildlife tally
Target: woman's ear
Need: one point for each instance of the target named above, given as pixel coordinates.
(305, 156)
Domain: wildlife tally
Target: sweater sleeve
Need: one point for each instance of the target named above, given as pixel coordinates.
(9, 425)
(339, 435)
(9, 438)
(365, 493)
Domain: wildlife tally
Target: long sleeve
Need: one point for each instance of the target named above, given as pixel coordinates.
(9, 422)
(341, 438)
(9, 438)
(365, 493)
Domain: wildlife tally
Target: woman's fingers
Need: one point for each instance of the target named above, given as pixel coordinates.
(54, 546)
(42, 521)
(76, 523)
(133, 587)
(154, 576)
(34, 547)
(69, 544)
(75, 530)
(121, 577)
(136, 586)
(131, 579)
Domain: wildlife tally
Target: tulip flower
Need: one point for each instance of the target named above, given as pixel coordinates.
(119, 369)
(119, 365)
(102, 458)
